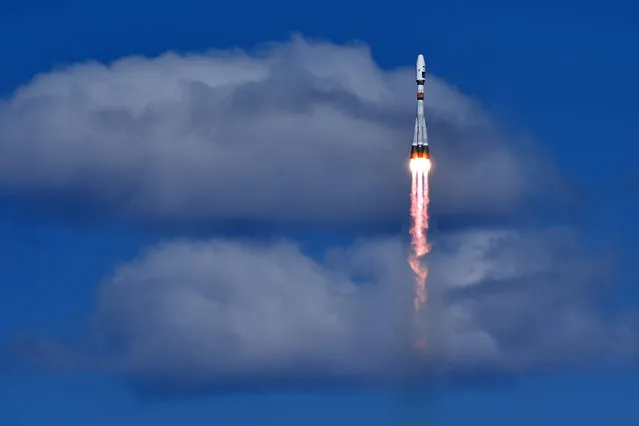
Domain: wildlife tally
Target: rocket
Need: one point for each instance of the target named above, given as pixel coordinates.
(419, 149)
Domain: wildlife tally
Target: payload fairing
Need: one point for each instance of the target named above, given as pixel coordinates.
(419, 148)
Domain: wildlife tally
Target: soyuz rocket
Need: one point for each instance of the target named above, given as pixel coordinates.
(419, 149)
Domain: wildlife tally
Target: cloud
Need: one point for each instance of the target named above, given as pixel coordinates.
(226, 311)
(301, 131)
(192, 315)
(520, 300)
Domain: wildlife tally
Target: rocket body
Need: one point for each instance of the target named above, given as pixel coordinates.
(419, 149)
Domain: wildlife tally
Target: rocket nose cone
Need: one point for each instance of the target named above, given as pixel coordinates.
(420, 69)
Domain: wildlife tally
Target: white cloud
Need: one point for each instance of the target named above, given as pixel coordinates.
(205, 313)
(299, 131)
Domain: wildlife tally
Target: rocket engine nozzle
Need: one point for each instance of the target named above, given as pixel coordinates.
(420, 152)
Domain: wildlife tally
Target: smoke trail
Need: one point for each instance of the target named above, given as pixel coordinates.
(420, 168)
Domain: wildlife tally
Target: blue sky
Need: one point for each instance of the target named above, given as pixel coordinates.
(562, 72)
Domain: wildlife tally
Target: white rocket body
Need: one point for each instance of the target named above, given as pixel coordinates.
(419, 148)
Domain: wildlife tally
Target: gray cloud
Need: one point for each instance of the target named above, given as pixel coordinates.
(217, 313)
(295, 132)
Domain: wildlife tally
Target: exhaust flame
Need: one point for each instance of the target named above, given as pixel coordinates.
(420, 167)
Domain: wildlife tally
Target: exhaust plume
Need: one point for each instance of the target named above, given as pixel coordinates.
(420, 168)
